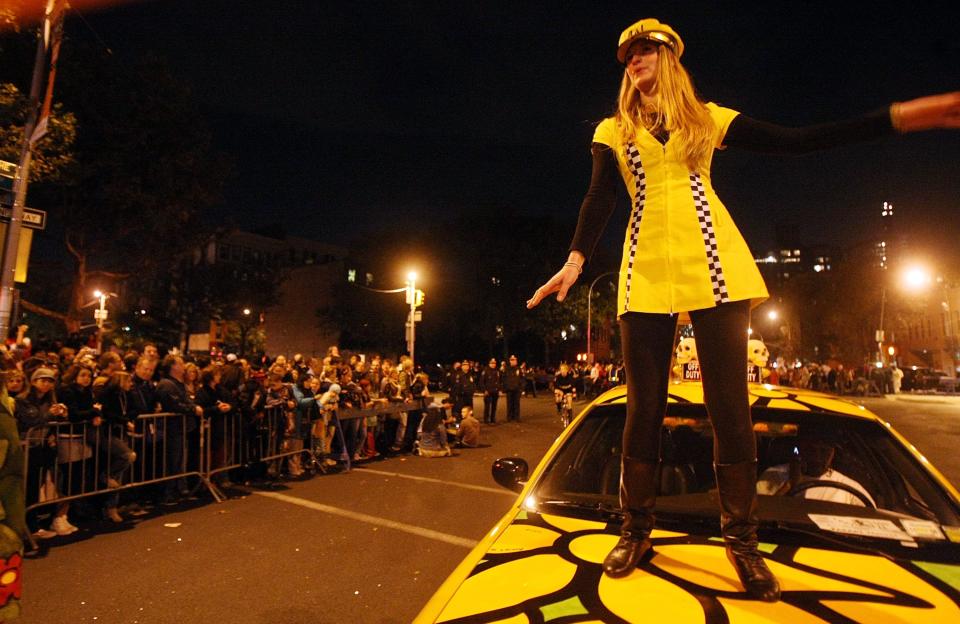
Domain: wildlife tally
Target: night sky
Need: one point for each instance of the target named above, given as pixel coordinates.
(345, 118)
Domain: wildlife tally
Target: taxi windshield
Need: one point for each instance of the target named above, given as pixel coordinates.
(811, 465)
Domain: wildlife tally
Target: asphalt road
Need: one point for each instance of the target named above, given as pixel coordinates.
(369, 546)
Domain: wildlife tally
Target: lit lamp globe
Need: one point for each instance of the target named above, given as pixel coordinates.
(916, 278)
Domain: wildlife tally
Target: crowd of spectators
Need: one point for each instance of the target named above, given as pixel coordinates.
(838, 379)
(104, 394)
(73, 404)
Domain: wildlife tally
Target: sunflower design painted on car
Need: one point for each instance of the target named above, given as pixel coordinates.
(547, 568)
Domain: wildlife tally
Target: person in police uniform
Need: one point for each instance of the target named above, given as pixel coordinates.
(683, 257)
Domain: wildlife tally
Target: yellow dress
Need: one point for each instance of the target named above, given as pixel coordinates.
(682, 251)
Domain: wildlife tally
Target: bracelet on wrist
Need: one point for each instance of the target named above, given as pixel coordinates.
(896, 117)
(574, 265)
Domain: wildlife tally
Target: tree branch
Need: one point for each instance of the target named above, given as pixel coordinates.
(109, 274)
(32, 307)
(73, 250)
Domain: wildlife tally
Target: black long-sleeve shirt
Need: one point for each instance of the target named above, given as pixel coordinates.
(744, 132)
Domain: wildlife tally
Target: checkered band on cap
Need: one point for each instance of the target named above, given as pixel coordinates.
(717, 280)
(639, 198)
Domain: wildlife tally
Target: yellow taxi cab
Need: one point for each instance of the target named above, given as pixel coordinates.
(856, 524)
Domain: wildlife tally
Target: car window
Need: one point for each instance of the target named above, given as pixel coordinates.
(818, 458)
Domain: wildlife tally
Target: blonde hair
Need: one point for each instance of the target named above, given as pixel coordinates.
(677, 109)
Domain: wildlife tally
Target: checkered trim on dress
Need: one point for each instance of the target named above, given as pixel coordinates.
(717, 280)
(639, 198)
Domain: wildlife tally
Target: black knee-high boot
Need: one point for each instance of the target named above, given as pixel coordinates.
(638, 494)
(737, 487)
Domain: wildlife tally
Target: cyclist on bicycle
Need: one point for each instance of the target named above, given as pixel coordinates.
(563, 386)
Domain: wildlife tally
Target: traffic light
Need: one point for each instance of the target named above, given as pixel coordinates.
(418, 298)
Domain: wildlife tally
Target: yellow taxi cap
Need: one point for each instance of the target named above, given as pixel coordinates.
(649, 28)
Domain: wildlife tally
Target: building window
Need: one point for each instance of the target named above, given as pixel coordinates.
(352, 276)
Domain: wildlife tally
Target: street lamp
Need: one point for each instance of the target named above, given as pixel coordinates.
(914, 278)
(245, 325)
(917, 279)
(101, 314)
(590, 313)
(414, 300)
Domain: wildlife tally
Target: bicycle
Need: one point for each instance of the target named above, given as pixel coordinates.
(564, 406)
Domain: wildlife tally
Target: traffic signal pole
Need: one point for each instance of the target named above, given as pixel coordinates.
(47, 41)
(414, 300)
(11, 243)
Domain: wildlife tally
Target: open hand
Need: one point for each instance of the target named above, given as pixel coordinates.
(560, 283)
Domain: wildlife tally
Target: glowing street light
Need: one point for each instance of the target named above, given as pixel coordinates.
(772, 315)
(917, 278)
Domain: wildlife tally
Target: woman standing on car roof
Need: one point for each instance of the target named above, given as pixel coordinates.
(684, 257)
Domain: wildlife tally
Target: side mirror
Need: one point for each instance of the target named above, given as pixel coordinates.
(510, 472)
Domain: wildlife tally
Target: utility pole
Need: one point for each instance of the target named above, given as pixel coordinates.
(590, 314)
(48, 46)
(414, 300)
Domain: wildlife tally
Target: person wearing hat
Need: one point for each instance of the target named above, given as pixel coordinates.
(683, 258)
(34, 408)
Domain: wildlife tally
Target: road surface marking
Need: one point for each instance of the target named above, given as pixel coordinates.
(390, 524)
(466, 486)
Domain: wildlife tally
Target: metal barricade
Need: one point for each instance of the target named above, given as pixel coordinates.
(275, 440)
(226, 449)
(66, 461)
(381, 409)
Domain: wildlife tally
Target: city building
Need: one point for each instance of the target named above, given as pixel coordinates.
(930, 337)
(779, 265)
(310, 271)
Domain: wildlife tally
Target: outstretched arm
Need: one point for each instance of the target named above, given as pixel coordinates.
(937, 111)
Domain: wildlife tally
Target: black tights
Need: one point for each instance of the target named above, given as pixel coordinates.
(721, 334)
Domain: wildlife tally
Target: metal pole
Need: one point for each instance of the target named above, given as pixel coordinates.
(883, 303)
(101, 317)
(413, 322)
(590, 315)
(11, 243)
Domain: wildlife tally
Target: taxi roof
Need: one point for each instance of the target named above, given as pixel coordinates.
(761, 395)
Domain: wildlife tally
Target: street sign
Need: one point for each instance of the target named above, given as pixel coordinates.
(32, 218)
(8, 169)
(417, 316)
